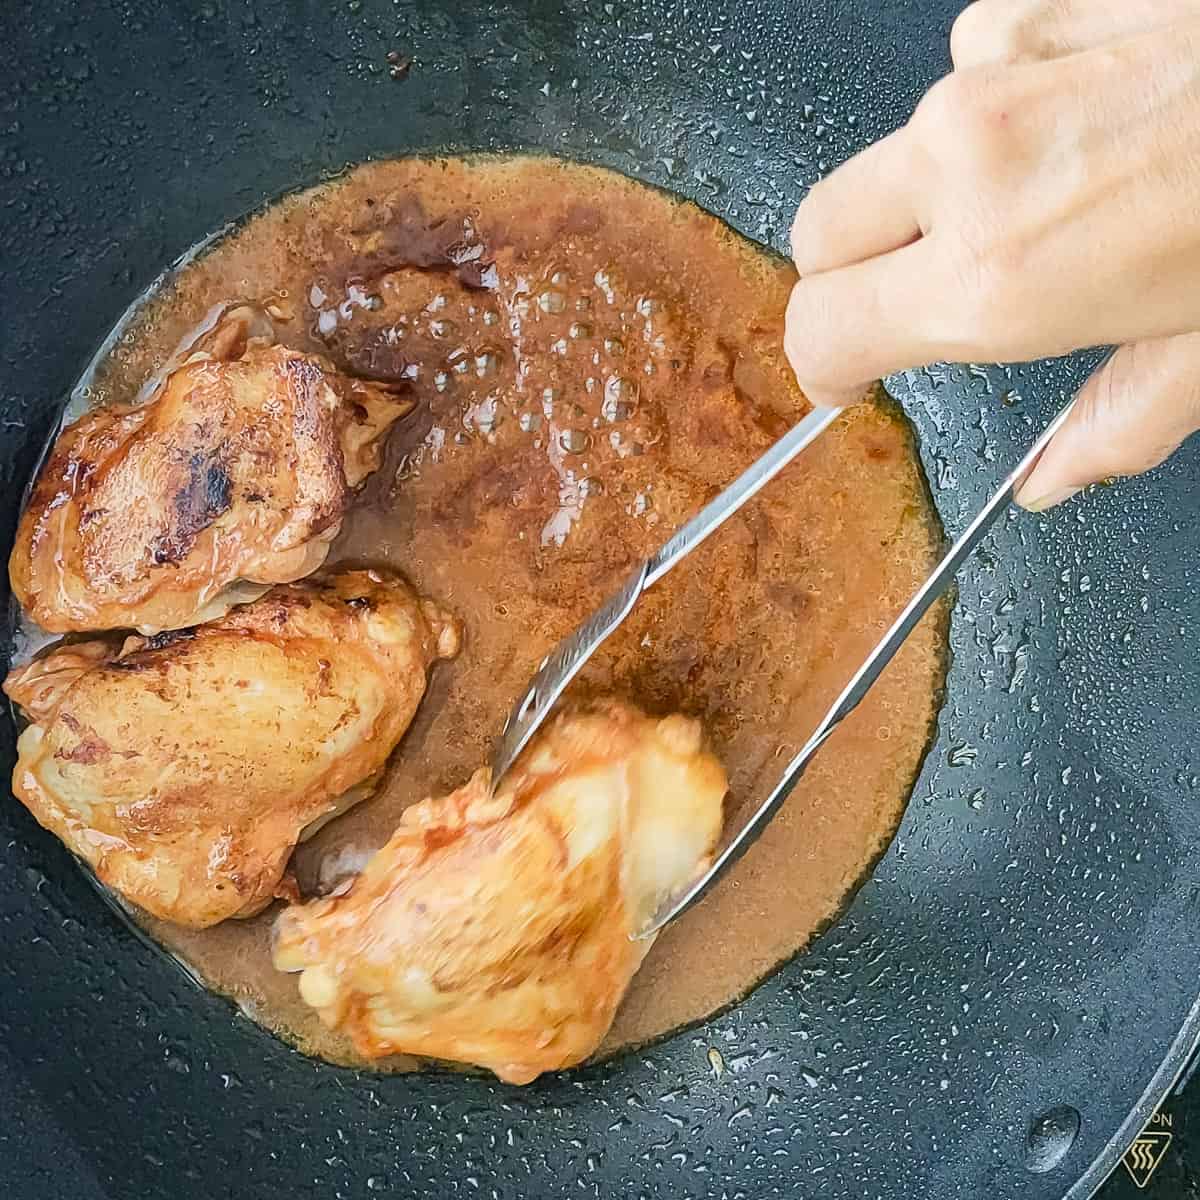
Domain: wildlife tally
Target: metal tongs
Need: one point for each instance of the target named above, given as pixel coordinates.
(561, 666)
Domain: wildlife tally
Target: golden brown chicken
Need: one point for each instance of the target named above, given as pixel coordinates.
(495, 930)
(237, 471)
(185, 767)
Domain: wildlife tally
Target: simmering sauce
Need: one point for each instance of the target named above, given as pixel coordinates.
(592, 360)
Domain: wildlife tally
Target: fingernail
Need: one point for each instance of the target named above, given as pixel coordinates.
(1049, 500)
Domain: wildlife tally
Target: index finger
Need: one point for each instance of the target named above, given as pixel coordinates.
(848, 327)
(863, 208)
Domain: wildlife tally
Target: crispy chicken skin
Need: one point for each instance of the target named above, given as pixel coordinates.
(185, 767)
(495, 930)
(239, 468)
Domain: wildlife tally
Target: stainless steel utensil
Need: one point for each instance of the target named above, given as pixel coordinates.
(736, 844)
(563, 664)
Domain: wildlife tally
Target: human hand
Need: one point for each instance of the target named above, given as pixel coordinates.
(1044, 197)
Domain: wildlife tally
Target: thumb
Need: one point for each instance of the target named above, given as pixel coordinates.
(1133, 413)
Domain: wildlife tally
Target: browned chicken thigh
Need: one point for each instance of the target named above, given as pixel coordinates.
(495, 929)
(236, 472)
(185, 767)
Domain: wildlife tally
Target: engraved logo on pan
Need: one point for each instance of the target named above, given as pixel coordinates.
(1142, 1158)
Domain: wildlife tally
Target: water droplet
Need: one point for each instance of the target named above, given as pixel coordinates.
(484, 416)
(175, 1061)
(574, 441)
(620, 399)
(1050, 1137)
(604, 283)
(962, 755)
(639, 505)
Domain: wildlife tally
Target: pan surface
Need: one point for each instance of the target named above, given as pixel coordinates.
(1011, 993)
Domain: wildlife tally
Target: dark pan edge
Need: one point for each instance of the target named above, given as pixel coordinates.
(1178, 1055)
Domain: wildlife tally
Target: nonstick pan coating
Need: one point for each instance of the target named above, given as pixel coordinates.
(1027, 943)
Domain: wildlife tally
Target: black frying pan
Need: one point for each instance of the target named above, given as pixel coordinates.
(1026, 947)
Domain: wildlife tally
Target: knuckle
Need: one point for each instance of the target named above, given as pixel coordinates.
(809, 231)
(965, 119)
(1137, 409)
(973, 34)
(796, 240)
(806, 336)
(947, 106)
(801, 238)
(1100, 430)
(1001, 33)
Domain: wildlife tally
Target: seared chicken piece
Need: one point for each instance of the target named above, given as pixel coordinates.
(495, 929)
(185, 767)
(237, 471)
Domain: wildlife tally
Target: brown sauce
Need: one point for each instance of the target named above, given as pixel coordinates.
(593, 360)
